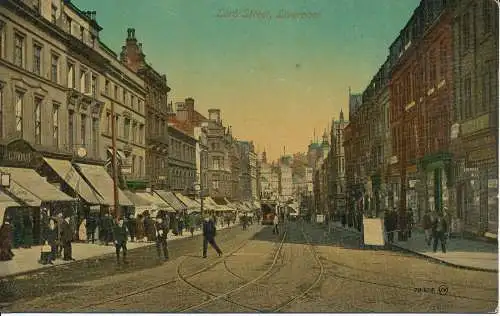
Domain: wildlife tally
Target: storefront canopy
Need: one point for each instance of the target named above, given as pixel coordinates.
(28, 186)
(103, 184)
(5, 202)
(170, 198)
(68, 173)
(192, 206)
(211, 205)
(156, 202)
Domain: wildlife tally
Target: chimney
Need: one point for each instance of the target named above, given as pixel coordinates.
(189, 105)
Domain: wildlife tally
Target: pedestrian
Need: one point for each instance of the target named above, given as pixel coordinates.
(82, 230)
(139, 228)
(66, 239)
(131, 226)
(209, 232)
(161, 231)
(410, 223)
(109, 224)
(149, 225)
(439, 229)
(51, 237)
(27, 231)
(120, 237)
(276, 222)
(427, 226)
(190, 223)
(44, 224)
(6, 239)
(91, 228)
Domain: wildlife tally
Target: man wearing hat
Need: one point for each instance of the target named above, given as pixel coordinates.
(161, 229)
(120, 237)
(209, 232)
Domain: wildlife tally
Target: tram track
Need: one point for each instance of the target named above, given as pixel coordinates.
(161, 284)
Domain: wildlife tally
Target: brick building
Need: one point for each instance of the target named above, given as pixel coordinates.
(421, 104)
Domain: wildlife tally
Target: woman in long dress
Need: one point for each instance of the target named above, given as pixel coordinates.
(6, 238)
(82, 230)
(139, 231)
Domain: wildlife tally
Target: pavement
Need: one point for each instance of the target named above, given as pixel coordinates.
(461, 253)
(26, 260)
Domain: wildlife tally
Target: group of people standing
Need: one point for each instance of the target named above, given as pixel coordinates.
(402, 223)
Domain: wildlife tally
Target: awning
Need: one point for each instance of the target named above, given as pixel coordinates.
(221, 202)
(256, 205)
(136, 199)
(192, 206)
(156, 201)
(6, 202)
(170, 198)
(212, 206)
(31, 188)
(68, 173)
(103, 184)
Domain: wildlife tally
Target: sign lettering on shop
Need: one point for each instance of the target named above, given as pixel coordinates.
(18, 156)
(476, 124)
(482, 154)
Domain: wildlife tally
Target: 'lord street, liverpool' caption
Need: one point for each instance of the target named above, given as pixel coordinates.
(266, 14)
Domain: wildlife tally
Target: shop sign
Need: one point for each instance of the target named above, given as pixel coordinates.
(476, 124)
(481, 154)
(126, 170)
(19, 157)
(492, 183)
(412, 183)
(393, 160)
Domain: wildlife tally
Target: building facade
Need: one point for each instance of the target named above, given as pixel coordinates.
(219, 173)
(337, 164)
(182, 161)
(156, 111)
(200, 134)
(474, 131)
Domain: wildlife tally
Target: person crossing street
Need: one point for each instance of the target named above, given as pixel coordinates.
(120, 235)
(276, 222)
(161, 228)
(209, 232)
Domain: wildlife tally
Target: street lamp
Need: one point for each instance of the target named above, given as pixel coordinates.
(198, 188)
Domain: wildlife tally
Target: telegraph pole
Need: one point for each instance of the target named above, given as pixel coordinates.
(113, 161)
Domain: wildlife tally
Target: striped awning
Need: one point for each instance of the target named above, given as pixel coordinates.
(190, 204)
(173, 201)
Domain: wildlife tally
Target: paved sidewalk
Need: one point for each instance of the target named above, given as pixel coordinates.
(26, 260)
(463, 253)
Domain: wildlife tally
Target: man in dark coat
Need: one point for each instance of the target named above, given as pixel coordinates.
(439, 230)
(66, 239)
(131, 224)
(161, 229)
(91, 225)
(209, 232)
(120, 236)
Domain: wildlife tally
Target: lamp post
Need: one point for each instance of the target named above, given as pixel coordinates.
(199, 188)
(113, 160)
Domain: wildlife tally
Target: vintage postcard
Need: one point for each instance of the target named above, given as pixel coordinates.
(249, 156)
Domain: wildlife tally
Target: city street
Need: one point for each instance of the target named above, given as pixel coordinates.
(306, 269)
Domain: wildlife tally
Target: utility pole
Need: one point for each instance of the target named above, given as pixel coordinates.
(113, 161)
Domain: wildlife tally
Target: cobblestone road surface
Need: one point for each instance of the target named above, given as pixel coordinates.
(305, 270)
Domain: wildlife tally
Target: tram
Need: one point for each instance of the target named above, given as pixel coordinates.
(268, 212)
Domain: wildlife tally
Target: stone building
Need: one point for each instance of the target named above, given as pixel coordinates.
(58, 81)
(337, 173)
(156, 111)
(474, 130)
(235, 157)
(200, 134)
(182, 161)
(219, 144)
(265, 178)
(248, 172)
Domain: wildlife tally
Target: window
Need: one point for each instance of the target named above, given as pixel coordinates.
(126, 128)
(133, 165)
(432, 74)
(53, 14)
(92, 40)
(488, 16)
(134, 131)
(19, 112)
(2, 24)
(83, 130)
(54, 68)
(95, 136)
(38, 121)
(37, 59)
(94, 86)
(18, 50)
(108, 123)
(468, 97)
(117, 124)
(69, 23)
(71, 126)
(443, 62)
(82, 32)
(71, 75)
(139, 106)
(132, 101)
(466, 31)
(124, 97)
(84, 81)
(140, 167)
(116, 92)
(55, 124)
(1, 111)
(106, 87)
(141, 134)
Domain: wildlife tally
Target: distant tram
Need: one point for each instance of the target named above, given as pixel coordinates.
(268, 210)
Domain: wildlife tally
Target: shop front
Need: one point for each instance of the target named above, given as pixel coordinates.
(436, 170)
(412, 193)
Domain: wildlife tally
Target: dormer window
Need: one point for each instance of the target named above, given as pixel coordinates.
(82, 30)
